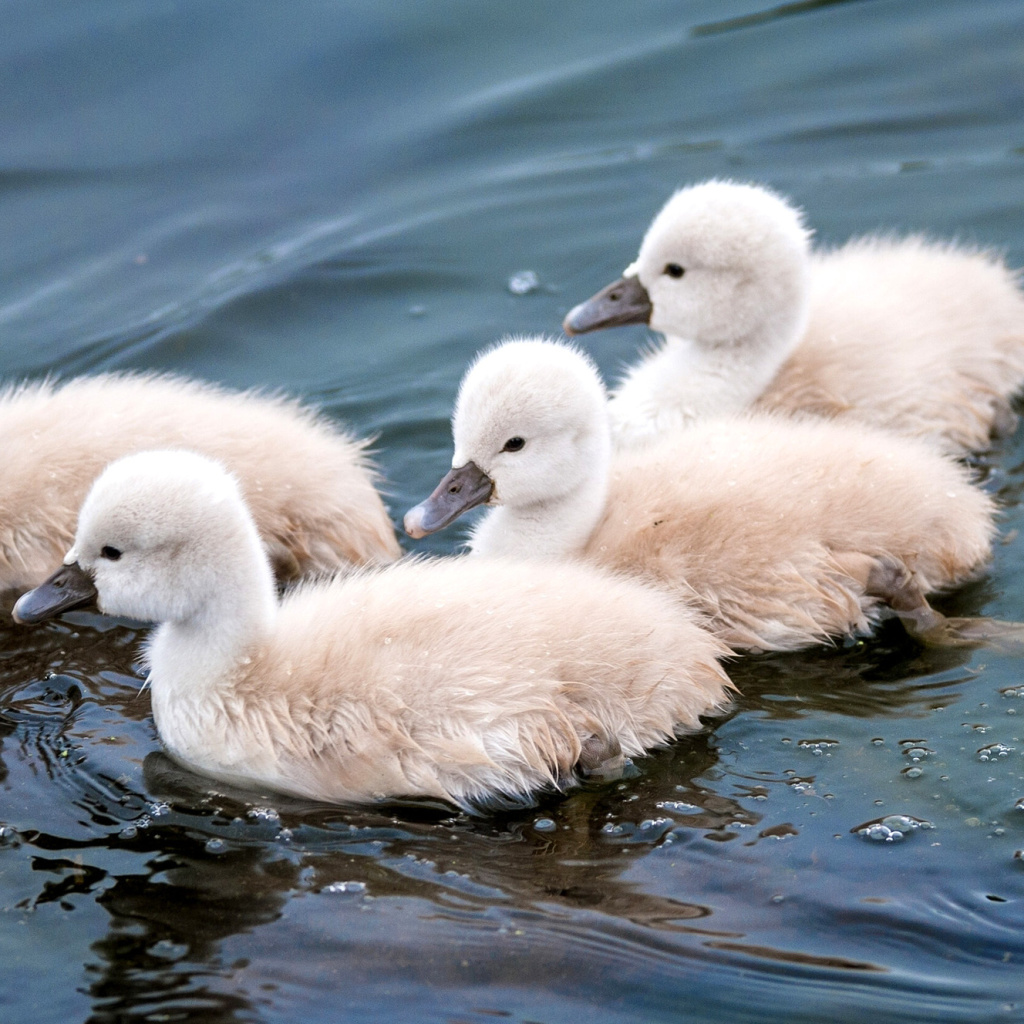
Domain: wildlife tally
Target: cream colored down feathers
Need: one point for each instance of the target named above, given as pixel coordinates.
(775, 529)
(925, 338)
(469, 681)
(310, 486)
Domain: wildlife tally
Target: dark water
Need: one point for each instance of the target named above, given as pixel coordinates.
(333, 198)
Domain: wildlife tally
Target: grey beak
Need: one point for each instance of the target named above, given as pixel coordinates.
(69, 587)
(460, 490)
(623, 302)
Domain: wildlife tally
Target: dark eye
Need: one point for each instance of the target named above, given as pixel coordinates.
(674, 270)
(109, 553)
(513, 444)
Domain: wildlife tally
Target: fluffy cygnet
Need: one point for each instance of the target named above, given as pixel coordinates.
(925, 338)
(781, 532)
(310, 486)
(469, 681)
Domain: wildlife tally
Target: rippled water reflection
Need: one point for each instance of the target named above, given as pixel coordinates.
(348, 202)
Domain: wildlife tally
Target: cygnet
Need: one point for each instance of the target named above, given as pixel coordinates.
(475, 682)
(921, 337)
(310, 486)
(782, 533)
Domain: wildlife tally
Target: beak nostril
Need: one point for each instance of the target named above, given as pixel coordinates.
(455, 488)
(615, 296)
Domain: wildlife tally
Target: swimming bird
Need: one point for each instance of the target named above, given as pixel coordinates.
(311, 486)
(922, 337)
(782, 533)
(476, 682)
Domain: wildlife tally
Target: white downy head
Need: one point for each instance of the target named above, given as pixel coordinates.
(166, 537)
(531, 421)
(726, 264)
(724, 273)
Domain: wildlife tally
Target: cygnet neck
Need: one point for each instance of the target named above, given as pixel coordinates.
(550, 528)
(685, 381)
(205, 650)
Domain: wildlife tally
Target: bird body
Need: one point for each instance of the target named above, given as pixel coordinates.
(474, 682)
(924, 338)
(310, 486)
(781, 533)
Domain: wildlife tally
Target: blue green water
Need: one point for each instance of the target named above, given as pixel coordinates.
(332, 198)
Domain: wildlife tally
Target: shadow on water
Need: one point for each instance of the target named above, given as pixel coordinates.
(888, 675)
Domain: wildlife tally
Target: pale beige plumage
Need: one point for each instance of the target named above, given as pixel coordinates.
(781, 532)
(468, 681)
(925, 338)
(773, 527)
(309, 484)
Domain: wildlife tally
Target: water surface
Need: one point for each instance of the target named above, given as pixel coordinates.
(333, 198)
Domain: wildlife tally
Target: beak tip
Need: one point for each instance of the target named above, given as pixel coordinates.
(21, 612)
(413, 523)
(69, 587)
(569, 323)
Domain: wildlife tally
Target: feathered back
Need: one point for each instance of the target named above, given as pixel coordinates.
(473, 681)
(772, 523)
(925, 338)
(309, 485)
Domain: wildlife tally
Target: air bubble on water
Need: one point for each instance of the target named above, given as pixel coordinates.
(649, 823)
(917, 753)
(159, 809)
(165, 949)
(679, 806)
(263, 814)
(544, 825)
(994, 751)
(1012, 691)
(215, 845)
(906, 822)
(913, 772)
(285, 835)
(523, 282)
(893, 828)
(356, 888)
(128, 832)
(612, 829)
(818, 747)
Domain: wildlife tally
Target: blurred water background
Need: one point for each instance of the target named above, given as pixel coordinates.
(346, 200)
